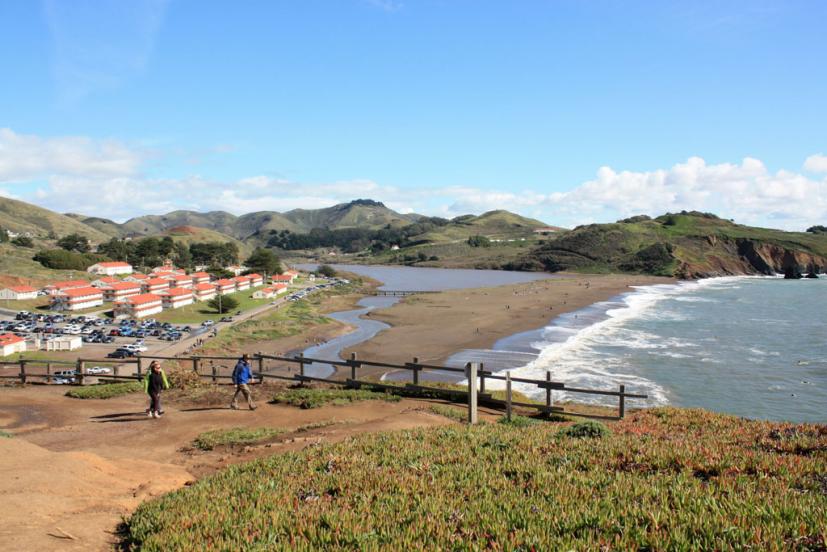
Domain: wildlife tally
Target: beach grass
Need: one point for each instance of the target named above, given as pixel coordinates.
(315, 398)
(450, 412)
(237, 436)
(105, 390)
(665, 479)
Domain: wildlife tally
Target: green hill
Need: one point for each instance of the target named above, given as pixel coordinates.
(193, 234)
(500, 225)
(155, 224)
(686, 245)
(360, 213)
(106, 226)
(19, 216)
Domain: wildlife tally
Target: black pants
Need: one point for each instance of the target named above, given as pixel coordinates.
(155, 402)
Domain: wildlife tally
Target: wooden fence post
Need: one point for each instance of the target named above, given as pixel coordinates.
(622, 404)
(508, 395)
(260, 361)
(416, 371)
(214, 372)
(482, 377)
(23, 372)
(116, 369)
(195, 362)
(139, 366)
(353, 365)
(471, 372)
(301, 366)
(548, 392)
(48, 372)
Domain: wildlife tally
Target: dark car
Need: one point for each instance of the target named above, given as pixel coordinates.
(118, 354)
(114, 332)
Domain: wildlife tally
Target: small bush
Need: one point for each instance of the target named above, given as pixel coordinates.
(5, 434)
(314, 398)
(518, 421)
(237, 436)
(105, 390)
(588, 429)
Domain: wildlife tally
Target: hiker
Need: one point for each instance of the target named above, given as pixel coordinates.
(155, 381)
(241, 375)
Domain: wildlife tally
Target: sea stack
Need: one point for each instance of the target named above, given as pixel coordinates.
(792, 272)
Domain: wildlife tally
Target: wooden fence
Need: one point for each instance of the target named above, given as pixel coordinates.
(348, 375)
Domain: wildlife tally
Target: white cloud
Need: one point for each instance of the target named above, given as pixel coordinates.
(816, 163)
(28, 157)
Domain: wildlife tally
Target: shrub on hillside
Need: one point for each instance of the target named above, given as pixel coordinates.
(589, 429)
(60, 259)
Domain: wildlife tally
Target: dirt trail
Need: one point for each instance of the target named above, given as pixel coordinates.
(74, 468)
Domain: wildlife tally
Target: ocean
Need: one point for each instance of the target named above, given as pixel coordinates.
(754, 347)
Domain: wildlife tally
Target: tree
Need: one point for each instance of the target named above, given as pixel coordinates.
(817, 229)
(23, 241)
(181, 255)
(326, 270)
(117, 249)
(479, 241)
(264, 260)
(74, 242)
(165, 246)
(222, 304)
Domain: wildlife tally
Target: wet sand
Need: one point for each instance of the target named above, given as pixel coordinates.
(434, 326)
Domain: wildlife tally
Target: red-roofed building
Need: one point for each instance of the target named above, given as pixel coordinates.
(224, 286)
(106, 281)
(176, 297)
(256, 280)
(168, 267)
(270, 291)
(283, 278)
(110, 268)
(18, 293)
(181, 280)
(11, 344)
(203, 291)
(200, 278)
(58, 287)
(235, 269)
(121, 290)
(154, 285)
(241, 283)
(139, 306)
(136, 277)
(78, 298)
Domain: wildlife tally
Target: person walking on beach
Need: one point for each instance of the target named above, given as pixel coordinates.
(155, 381)
(242, 374)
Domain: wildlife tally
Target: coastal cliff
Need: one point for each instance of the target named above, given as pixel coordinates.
(685, 245)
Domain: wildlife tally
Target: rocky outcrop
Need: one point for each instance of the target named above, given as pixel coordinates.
(727, 257)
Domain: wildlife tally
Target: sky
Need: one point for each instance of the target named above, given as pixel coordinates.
(567, 111)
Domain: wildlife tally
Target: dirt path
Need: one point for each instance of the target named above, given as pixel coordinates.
(73, 468)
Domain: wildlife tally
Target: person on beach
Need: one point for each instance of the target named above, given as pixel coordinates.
(242, 374)
(155, 381)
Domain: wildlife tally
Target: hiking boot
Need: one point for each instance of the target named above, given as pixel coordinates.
(253, 407)
(148, 414)
(153, 415)
(234, 406)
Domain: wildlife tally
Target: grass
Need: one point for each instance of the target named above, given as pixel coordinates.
(456, 414)
(237, 436)
(315, 398)
(105, 390)
(665, 479)
(199, 311)
(518, 421)
(5, 434)
(315, 425)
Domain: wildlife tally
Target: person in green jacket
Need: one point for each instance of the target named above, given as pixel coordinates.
(155, 381)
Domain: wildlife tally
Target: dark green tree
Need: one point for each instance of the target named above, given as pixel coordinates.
(74, 242)
(479, 241)
(265, 261)
(181, 255)
(222, 304)
(326, 270)
(23, 241)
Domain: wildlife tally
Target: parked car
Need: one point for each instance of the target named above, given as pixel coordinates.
(119, 353)
(207, 323)
(98, 370)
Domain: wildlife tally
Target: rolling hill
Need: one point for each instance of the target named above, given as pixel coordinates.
(19, 216)
(684, 245)
(493, 225)
(193, 234)
(360, 213)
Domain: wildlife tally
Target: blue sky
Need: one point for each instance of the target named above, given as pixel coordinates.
(567, 111)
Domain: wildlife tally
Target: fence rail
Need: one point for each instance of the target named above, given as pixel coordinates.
(475, 374)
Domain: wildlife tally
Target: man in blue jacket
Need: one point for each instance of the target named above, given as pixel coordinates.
(242, 374)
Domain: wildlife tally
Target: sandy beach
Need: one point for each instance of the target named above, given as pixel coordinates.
(433, 326)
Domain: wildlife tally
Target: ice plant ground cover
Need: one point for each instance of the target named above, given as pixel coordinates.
(661, 479)
(236, 436)
(105, 390)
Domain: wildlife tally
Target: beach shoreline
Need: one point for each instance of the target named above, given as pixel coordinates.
(435, 326)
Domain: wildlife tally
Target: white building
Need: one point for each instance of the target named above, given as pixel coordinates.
(139, 306)
(110, 268)
(235, 269)
(78, 299)
(256, 280)
(242, 283)
(18, 293)
(175, 298)
(203, 292)
(59, 287)
(11, 344)
(181, 281)
(200, 278)
(155, 285)
(63, 343)
(224, 287)
(106, 281)
(121, 290)
(270, 291)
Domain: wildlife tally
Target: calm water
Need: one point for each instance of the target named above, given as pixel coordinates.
(755, 347)
(403, 279)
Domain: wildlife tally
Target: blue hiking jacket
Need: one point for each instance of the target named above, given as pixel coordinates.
(242, 373)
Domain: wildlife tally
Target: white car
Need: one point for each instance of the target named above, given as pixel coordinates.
(98, 370)
(71, 329)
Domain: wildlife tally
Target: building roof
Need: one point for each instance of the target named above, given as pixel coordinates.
(181, 277)
(224, 282)
(141, 299)
(176, 292)
(203, 286)
(22, 289)
(200, 274)
(255, 276)
(138, 276)
(156, 282)
(282, 277)
(242, 278)
(82, 292)
(108, 280)
(9, 339)
(113, 264)
(124, 286)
